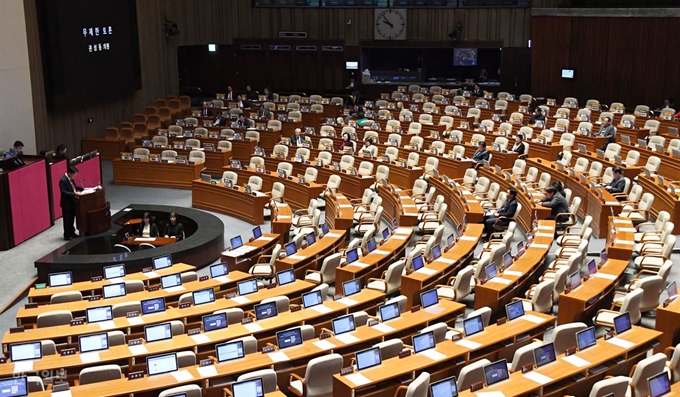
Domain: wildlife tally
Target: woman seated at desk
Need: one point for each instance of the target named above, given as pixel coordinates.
(174, 229)
(518, 147)
(368, 148)
(147, 228)
(346, 142)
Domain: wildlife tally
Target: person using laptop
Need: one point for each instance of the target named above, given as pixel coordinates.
(618, 184)
(147, 228)
(174, 229)
(507, 210)
(556, 202)
(608, 131)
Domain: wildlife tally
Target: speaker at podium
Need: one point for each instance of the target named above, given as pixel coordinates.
(93, 212)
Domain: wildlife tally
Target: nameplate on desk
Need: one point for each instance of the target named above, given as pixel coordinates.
(95, 298)
(132, 314)
(476, 386)
(324, 335)
(16, 330)
(230, 295)
(405, 353)
(204, 278)
(205, 363)
(77, 322)
(3, 360)
(153, 288)
(337, 297)
(137, 159)
(184, 305)
(147, 270)
(570, 350)
(609, 335)
(30, 306)
(271, 286)
(67, 352)
(501, 321)
(194, 331)
(96, 278)
(136, 375)
(246, 320)
(372, 322)
(415, 308)
(527, 368)
(296, 308)
(268, 349)
(347, 370)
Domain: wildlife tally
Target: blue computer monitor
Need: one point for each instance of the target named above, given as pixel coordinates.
(14, 387)
(351, 287)
(622, 323)
(285, 277)
(368, 358)
(157, 332)
(496, 372)
(212, 322)
(248, 388)
(91, 343)
(257, 232)
(444, 388)
(422, 342)
(203, 296)
(429, 298)
(514, 310)
(162, 262)
(291, 248)
(544, 355)
(473, 325)
(236, 242)
(343, 324)
(311, 299)
(218, 270)
(659, 384)
(161, 364)
(289, 338)
(246, 287)
(586, 338)
(98, 314)
(154, 305)
(265, 310)
(171, 280)
(230, 351)
(417, 263)
(389, 311)
(352, 255)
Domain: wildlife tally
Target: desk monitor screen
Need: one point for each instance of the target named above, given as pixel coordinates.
(289, 338)
(389, 311)
(444, 388)
(212, 322)
(368, 358)
(171, 280)
(248, 388)
(97, 314)
(496, 372)
(90, 343)
(311, 239)
(385, 234)
(659, 384)
(520, 248)
(603, 256)
(351, 287)
(221, 269)
(285, 277)
(429, 298)
(417, 263)
(60, 279)
(311, 299)
(25, 351)
(155, 305)
(514, 310)
(450, 241)
(672, 290)
(230, 351)
(114, 271)
(153, 333)
(436, 252)
(265, 310)
(544, 355)
(343, 324)
(473, 325)
(325, 229)
(114, 290)
(460, 230)
(491, 271)
(236, 242)
(622, 323)
(14, 387)
(156, 365)
(371, 245)
(575, 279)
(592, 267)
(422, 342)
(586, 338)
(162, 262)
(257, 232)
(507, 259)
(247, 287)
(203, 296)
(352, 256)
(291, 248)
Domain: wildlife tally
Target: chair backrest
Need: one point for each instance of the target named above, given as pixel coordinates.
(523, 356)
(564, 336)
(99, 373)
(319, 374)
(69, 296)
(463, 282)
(631, 304)
(54, 318)
(231, 175)
(188, 390)
(652, 287)
(617, 385)
(645, 369)
(282, 303)
(471, 374)
(542, 298)
(122, 309)
(255, 183)
(35, 384)
(419, 386)
(390, 348)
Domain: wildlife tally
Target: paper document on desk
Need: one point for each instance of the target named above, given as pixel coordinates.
(544, 235)
(468, 238)
(446, 260)
(621, 220)
(65, 393)
(135, 321)
(426, 271)
(403, 230)
(297, 257)
(151, 275)
(500, 280)
(90, 357)
(490, 394)
(172, 290)
(223, 279)
(23, 366)
(542, 246)
(347, 301)
(89, 190)
(283, 217)
(266, 238)
(207, 371)
(408, 205)
(360, 265)
(145, 239)
(241, 300)
(544, 227)
(324, 345)
(433, 355)
(182, 375)
(201, 339)
(116, 280)
(628, 230)
(333, 235)
(538, 378)
(512, 273)
(381, 252)
(384, 328)
(278, 357)
(347, 338)
(253, 327)
(620, 342)
(104, 325)
(532, 318)
(322, 309)
(467, 343)
(358, 379)
(400, 236)
(345, 205)
(624, 242)
(138, 350)
(605, 276)
(434, 309)
(576, 361)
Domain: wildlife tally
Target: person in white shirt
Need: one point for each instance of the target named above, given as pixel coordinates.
(369, 147)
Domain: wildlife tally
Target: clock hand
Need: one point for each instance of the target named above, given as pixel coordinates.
(387, 21)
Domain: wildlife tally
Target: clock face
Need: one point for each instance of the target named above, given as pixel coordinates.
(390, 24)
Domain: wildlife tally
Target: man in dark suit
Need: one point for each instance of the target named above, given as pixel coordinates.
(268, 94)
(481, 154)
(264, 113)
(250, 94)
(608, 131)
(537, 116)
(507, 210)
(618, 184)
(240, 103)
(69, 191)
(556, 202)
(230, 95)
(220, 120)
(477, 91)
(297, 139)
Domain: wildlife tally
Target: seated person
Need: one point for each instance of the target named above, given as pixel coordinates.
(242, 122)
(346, 142)
(481, 154)
(240, 103)
(518, 147)
(147, 228)
(263, 112)
(608, 131)
(251, 95)
(618, 184)
(60, 153)
(537, 116)
(507, 210)
(369, 148)
(220, 120)
(174, 229)
(297, 139)
(16, 150)
(556, 202)
(361, 118)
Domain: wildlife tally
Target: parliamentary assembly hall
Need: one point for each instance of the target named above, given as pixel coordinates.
(339, 198)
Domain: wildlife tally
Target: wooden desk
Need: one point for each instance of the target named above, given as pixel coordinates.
(229, 201)
(42, 296)
(663, 199)
(497, 292)
(668, 323)
(261, 246)
(667, 168)
(560, 373)
(397, 204)
(595, 293)
(214, 160)
(458, 207)
(384, 379)
(438, 271)
(155, 174)
(281, 221)
(339, 212)
(156, 241)
(373, 264)
(108, 149)
(621, 245)
(311, 257)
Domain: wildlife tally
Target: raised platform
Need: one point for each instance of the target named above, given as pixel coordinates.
(86, 257)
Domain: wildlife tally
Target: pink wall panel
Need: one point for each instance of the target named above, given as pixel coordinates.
(29, 201)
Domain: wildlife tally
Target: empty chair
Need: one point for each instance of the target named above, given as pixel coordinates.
(69, 296)
(234, 316)
(282, 303)
(541, 301)
(255, 183)
(640, 212)
(642, 371)
(268, 377)
(523, 356)
(471, 374)
(231, 176)
(266, 264)
(101, 373)
(616, 386)
(417, 388)
(630, 303)
(459, 286)
(169, 156)
(318, 380)
(281, 150)
(141, 153)
(391, 279)
(286, 167)
(564, 336)
(327, 272)
(186, 390)
(122, 309)
(54, 318)
(416, 141)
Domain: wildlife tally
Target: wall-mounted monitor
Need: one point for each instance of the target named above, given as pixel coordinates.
(351, 65)
(568, 73)
(464, 57)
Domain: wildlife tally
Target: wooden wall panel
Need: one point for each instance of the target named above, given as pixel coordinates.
(616, 59)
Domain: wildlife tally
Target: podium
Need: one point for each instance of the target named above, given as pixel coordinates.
(93, 213)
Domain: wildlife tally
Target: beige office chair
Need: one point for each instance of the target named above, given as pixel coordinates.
(69, 296)
(471, 374)
(268, 377)
(186, 390)
(458, 287)
(282, 303)
(564, 336)
(631, 304)
(642, 371)
(101, 373)
(255, 183)
(318, 380)
(327, 272)
(417, 388)
(122, 309)
(617, 385)
(266, 264)
(234, 316)
(542, 299)
(230, 175)
(54, 318)
(390, 281)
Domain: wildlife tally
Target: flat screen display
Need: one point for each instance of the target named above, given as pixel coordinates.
(544, 355)
(212, 322)
(113, 290)
(60, 279)
(162, 364)
(368, 358)
(568, 73)
(97, 314)
(289, 338)
(352, 65)
(25, 351)
(622, 323)
(423, 342)
(90, 343)
(171, 280)
(247, 287)
(464, 57)
(285, 277)
(586, 338)
(230, 351)
(417, 263)
(473, 325)
(389, 311)
(311, 299)
(496, 372)
(155, 305)
(257, 232)
(14, 387)
(219, 270)
(204, 296)
(659, 384)
(514, 310)
(371, 245)
(162, 262)
(444, 388)
(343, 324)
(311, 239)
(236, 242)
(429, 298)
(114, 271)
(291, 248)
(351, 287)
(248, 388)
(265, 310)
(352, 256)
(153, 333)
